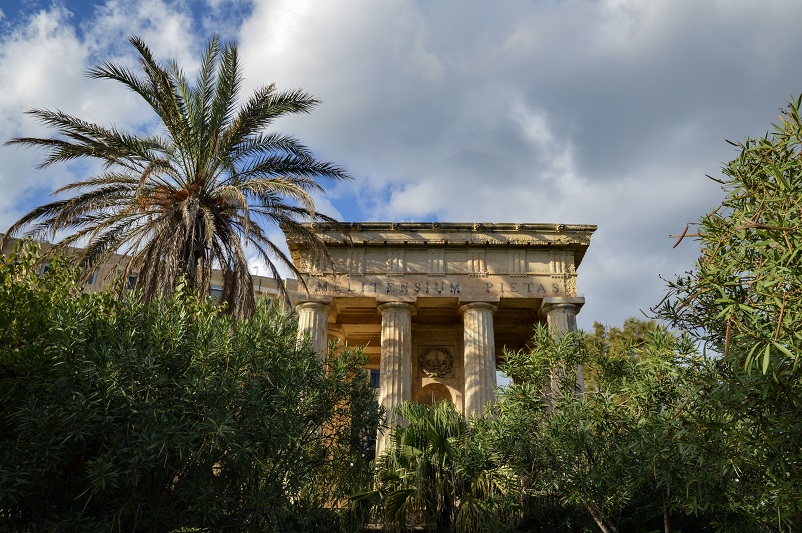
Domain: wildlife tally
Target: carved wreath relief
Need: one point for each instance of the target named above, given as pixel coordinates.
(436, 362)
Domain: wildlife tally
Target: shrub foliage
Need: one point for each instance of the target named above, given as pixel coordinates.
(120, 415)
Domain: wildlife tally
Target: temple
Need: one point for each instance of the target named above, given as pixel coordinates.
(435, 303)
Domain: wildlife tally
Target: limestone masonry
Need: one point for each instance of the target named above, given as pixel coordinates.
(435, 302)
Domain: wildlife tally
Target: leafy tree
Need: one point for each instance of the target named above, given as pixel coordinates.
(436, 475)
(628, 455)
(190, 199)
(621, 342)
(544, 446)
(120, 415)
(616, 346)
(742, 302)
(670, 436)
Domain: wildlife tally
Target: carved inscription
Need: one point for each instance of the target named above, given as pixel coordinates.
(463, 287)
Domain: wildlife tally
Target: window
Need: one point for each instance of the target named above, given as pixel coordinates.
(374, 378)
(92, 279)
(131, 281)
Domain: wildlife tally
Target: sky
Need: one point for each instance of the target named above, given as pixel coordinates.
(605, 112)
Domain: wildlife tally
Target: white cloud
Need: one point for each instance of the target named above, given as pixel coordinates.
(166, 27)
(607, 112)
(43, 64)
(593, 112)
(29, 58)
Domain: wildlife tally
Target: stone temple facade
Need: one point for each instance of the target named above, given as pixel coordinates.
(436, 303)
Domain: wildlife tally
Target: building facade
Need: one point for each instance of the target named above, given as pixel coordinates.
(263, 286)
(434, 304)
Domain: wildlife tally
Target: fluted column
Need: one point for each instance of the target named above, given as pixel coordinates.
(561, 316)
(395, 374)
(479, 356)
(561, 313)
(313, 321)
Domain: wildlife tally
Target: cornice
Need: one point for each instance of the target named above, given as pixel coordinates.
(447, 233)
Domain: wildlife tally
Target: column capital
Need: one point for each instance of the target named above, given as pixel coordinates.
(478, 305)
(314, 305)
(561, 302)
(397, 305)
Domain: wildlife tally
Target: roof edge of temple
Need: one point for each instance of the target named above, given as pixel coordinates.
(480, 232)
(452, 226)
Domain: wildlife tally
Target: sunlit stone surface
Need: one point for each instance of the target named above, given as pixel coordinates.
(313, 323)
(436, 304)
(479, 355)
(396, 361)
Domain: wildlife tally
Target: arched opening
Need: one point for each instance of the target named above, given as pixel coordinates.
(434, 393)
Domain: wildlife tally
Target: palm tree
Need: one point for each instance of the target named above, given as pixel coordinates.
(190, 199)
(436, 475)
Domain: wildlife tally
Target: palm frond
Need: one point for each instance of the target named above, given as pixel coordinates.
(268, 143)
(291, 165)
(191, 199)
(223, 105)
(261, 109)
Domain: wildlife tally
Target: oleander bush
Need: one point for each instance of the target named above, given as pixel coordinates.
(119, 415)
(646, 448)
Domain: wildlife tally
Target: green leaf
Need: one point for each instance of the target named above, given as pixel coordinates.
(783, 349)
